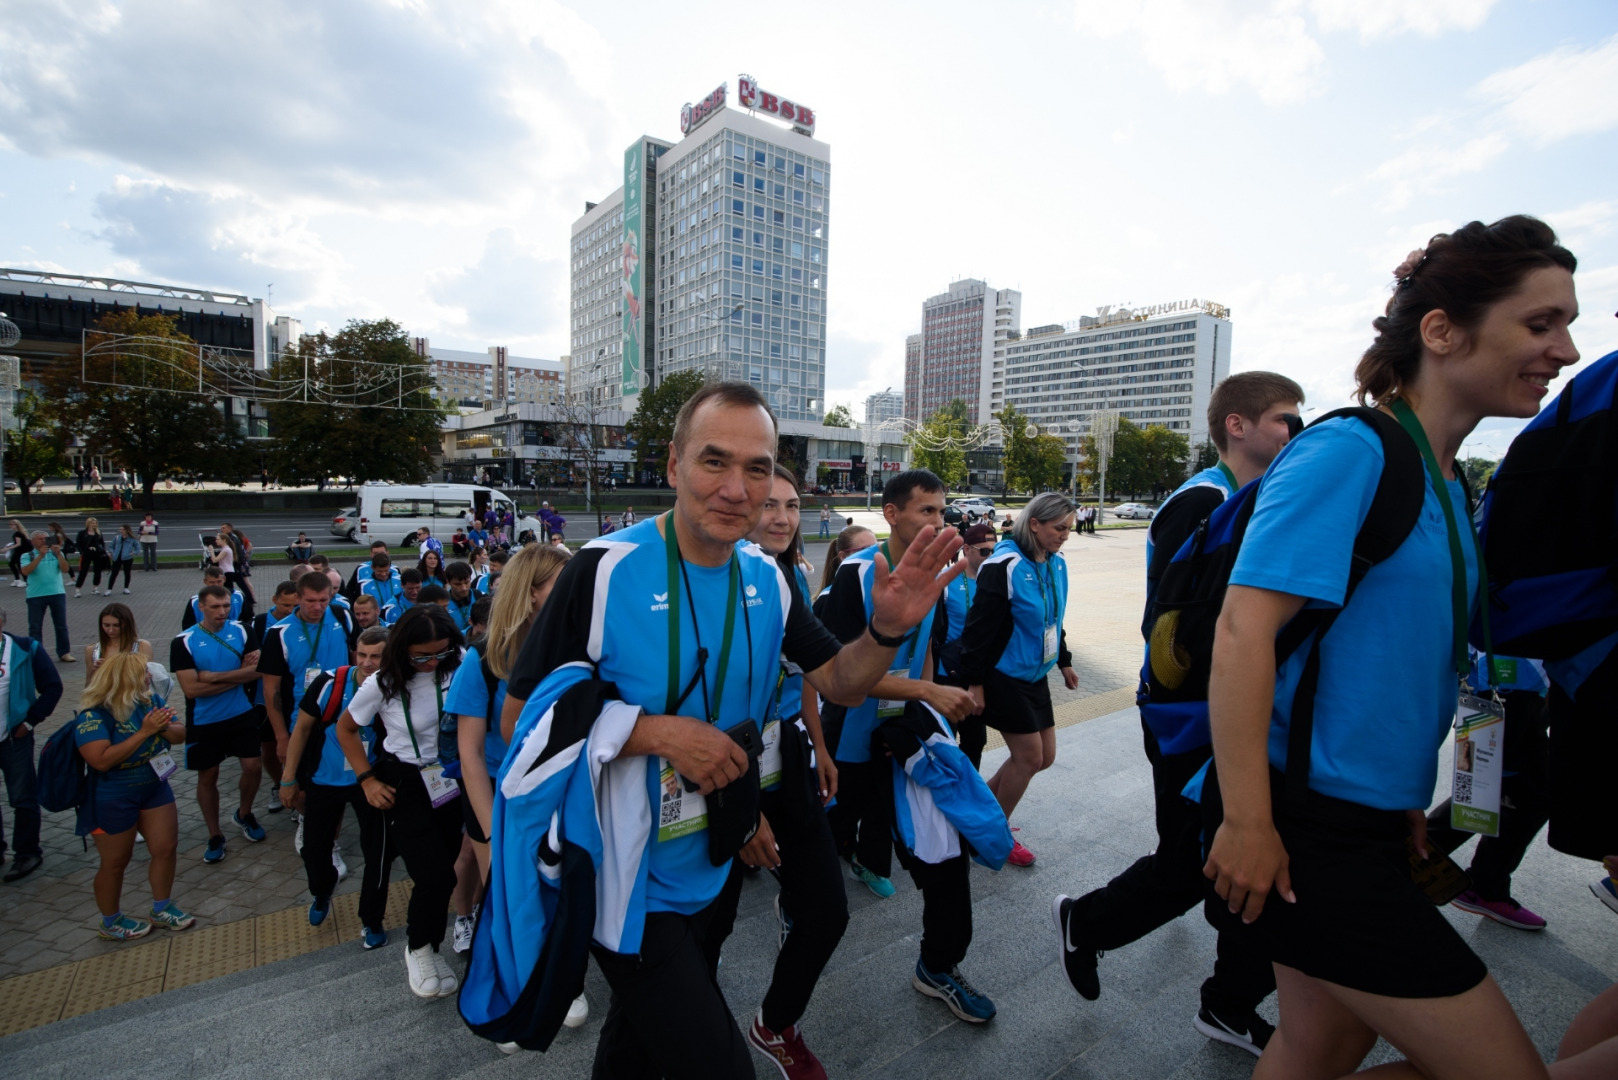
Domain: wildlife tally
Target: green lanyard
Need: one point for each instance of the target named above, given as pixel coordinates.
(222, 641)
(910, 640)
(404, 703)
(1047, 602)
(966, 587)
(314, 650)
(1459, 598)
(392, 592)
(1234, 486)
(675, 575)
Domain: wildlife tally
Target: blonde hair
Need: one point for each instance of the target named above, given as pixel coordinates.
(118, 685)
(509, 615)
(90, 521)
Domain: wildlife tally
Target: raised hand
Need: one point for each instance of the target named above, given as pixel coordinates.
(901, 596)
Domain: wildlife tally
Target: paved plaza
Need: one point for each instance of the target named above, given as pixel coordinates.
(304, 1003)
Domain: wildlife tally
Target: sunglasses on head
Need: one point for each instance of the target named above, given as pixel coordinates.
(430, 657)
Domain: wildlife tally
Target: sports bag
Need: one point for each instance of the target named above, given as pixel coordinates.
(315, 746)
(1549, 525)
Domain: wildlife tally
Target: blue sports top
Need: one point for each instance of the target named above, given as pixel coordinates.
(334, 769)
(195, 648)
(469, 696)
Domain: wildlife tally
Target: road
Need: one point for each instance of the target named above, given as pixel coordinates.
(270, 530)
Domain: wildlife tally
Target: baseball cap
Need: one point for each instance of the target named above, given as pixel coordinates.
(978, 534)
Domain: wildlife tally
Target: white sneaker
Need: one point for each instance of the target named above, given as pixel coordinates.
(419, 963)
(508, 1048)
(297, 843)
(447, 982)
(464, 924)
(337, 861)
(77, 594)
(578, 1012)
(126, 593)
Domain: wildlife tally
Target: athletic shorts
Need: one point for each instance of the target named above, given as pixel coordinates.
(1359, 921)
(118, 806)
(206, 745)
(1014, 707)
(470, 816)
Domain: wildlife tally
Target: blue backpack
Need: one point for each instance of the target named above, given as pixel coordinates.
(63, 777)
(1173, 692)
(1549, 525)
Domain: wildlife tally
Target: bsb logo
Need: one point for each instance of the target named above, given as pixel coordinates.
(751, 97)
(692, 115)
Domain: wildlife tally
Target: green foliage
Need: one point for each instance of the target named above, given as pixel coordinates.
(839, 416)
(928, 451)
(34, 449)
(1207, 456)
(1164, 459)
(1478, 471)
(372, 369)
(1145, 461)
(956, 411)
(158, 426)
(652, 426)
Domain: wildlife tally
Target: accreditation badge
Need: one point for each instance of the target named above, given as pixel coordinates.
(1052, 636)
(769, 762)
(680, 812)
(163, 765)
(1480, 735)
(887, 708)
(440, 788)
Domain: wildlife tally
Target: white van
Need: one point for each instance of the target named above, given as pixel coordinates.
(393, 512)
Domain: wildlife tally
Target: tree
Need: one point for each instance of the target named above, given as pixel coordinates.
(839, 416)
(1164, 458)
(138, 403)
(1016, 457)
(1128, 470)
(1207, 456)
(34, 447)
(368, 412)
(932, 447)
(1478, 471)
(652, 426)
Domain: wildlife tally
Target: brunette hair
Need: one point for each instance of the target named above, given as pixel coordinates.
(1247, 394)
(1462, 274)
(128, 638)
(840, 550)
(417, 626)
(788, 559)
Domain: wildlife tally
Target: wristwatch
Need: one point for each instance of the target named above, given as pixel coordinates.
(881, 639)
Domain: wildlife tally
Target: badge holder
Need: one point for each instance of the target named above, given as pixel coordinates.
(1480, 733)
(163, 765)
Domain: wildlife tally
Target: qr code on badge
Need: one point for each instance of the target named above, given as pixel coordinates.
(1463, 788)
(670, 813)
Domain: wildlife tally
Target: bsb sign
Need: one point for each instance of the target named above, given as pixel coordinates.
(751, 97)
(692, 115)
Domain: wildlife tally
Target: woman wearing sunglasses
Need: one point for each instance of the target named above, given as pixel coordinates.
(420, 805)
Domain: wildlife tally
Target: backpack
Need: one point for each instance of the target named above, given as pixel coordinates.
(1173, 692)
(63, 776)
(450, 752)
(309, 760)
(1548, 525)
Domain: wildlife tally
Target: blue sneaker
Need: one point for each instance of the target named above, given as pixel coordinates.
(882, 887)
(319, 909)
(249, 826)
(374, 938)
(216, 850)
(963, 999)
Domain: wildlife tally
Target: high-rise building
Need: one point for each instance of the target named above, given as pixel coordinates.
(880, 408)
(717, 262)
(962, 345)
(473, 380)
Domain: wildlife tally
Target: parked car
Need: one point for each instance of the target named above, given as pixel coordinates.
(966, 511)
(1133, 511)
(346, 524)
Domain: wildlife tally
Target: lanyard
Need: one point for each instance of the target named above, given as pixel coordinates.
(910, 639)
(388, 583)
(1047, 602)
(222, 641)
(1234, 486)
(677, 574)
(966, 587)
(404, 703)
(1459, 598)
(780, 685)
(314, 650)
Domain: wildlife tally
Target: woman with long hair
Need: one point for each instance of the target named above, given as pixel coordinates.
(405, 698)
(1012, 639)
(116, 629)
(1313, 868)
(19, 544)
(124, 734)
(853, 538)
(92, 557)
(125, 546)
(432, 569)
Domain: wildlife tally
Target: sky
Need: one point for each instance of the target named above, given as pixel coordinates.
(424, 160)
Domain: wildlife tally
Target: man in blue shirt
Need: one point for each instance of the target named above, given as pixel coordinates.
(409, 590)
(311, 639)
(29, 690)
(213, 661)
(459, 576)
(362, 572)
(666, 590)
(1248, 419)
(45, 570)
(192, 615)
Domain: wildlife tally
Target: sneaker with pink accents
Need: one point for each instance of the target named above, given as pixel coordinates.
(1505, 912)
(1020, 856)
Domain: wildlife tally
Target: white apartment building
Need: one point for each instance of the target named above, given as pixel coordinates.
(880, 408)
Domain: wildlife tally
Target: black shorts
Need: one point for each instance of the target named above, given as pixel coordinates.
(266, 731)
(1360, 921)
(470, 817)
(1014, 707)
(206, 745)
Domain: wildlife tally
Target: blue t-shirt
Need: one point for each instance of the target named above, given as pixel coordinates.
(196, 648)
(334, 769)
(1387, 691)
(385, 592)
(395, 611)
(47, 580)
(958, 597)
(99, 724)
(1038, 595)
(469, 696)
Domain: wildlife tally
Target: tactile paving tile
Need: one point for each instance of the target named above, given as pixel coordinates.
(79, 1004)
(35, 999)
(287, 933)
(130, 964)
(208, 953)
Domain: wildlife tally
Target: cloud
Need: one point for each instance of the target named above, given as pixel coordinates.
(1567, 92)
(1385, 18)
(1428, 168)
(513, 294)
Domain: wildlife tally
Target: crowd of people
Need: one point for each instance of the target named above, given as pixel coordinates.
(674, 707)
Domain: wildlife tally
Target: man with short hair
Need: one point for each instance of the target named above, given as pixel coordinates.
(409, 590)
(459, 576)
(488, 583)
(45, 569)
(30, 688)
(664, 686)
(427, 542)
(213, 661)
(628, 517)
(382, 584)
(1250, 419)
(317, 561)
(298, 647)
(362, 572)
(211, 575)
(367, 613)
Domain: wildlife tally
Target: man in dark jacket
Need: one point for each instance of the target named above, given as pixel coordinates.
(30, 689)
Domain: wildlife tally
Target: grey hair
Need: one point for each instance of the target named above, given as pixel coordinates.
(40, 532)
(1048, 506)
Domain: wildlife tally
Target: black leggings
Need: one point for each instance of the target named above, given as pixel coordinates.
(89, 564)
(126, 565)
(428, 837)
(322, 813)
(861, 819)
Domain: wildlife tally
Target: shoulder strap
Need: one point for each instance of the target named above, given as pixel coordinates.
(1400, 492)
(334, 703)
(490, 720)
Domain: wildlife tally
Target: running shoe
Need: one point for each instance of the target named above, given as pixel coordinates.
(447, 982)
(172, 918)
(338, 864)
(374, 938)
(249, 826)
(786, 1050)
(578, 1012)
(216, 850)
(783, 924)
(1020, 856)
(423, 971)
(274, 806)
(1606, 891)
(951, 987)
(882, 887)
(319, 908)
(1506, 912)
(1251, 1032)
(508, 1048)
(464, 925)
(124, 928)
(1078, 956)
